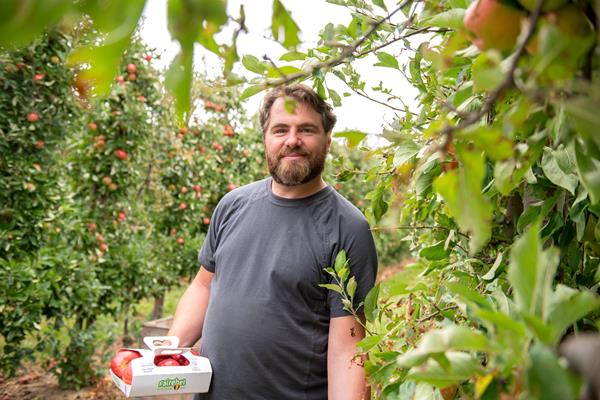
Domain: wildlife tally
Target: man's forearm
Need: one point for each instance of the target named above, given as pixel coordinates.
(190, 312)
(346, 376)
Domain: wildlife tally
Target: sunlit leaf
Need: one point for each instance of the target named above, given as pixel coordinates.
(353, 138)
(451, 19)
(23, 20)
(253, 64)
(293, 56)
(283, 27)
(442, 340)
(386, 60)
(251, 91)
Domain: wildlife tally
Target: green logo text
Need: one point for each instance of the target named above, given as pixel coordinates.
(171, 383)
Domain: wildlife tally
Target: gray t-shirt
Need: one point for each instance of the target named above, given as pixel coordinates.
(267, 323)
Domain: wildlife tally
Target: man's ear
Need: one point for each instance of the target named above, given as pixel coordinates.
(329, 141)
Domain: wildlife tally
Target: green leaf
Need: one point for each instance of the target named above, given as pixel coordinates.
(435, 252)
(501, 321)
(451, 19)
(486, 72)
(468, 294)
(559, 168)
(380, 3)
(531, 272)
(282, 24)
(340, 261)
(460, 367)
(568, 306)
(351, 287)
(371, 303)
(387, 60)
(583, 113)
(379, 205)
(442, 340)
(491, 140)
(293, 56)
(369, 342)
(587, 158)
(21, 22)
(251, 91)
(508, 174)
(253, 64)
(333, 287)
(335, 97)
(178, 80)
(546, 378)
(405, 150)
(461, 189)
(283, 71)
(353, 138)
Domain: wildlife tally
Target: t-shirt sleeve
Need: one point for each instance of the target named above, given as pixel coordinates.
(362, 260)
(206, 256)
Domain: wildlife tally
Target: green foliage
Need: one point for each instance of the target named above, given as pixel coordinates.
(494, 184)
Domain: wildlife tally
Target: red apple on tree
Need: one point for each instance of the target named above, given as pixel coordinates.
(131, 68)
(493, 24)
(231, 186)
(228, 130)
(121, 154)
(33, 117)
(121, 216)
(148, 57)
(92, 126)
(182, 206)
(180, 241)
(39, 144)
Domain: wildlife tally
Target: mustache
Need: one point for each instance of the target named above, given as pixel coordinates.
(297, 152)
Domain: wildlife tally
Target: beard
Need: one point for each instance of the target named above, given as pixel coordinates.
(296, 172)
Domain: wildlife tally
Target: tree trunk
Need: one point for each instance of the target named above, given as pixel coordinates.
(159, 302)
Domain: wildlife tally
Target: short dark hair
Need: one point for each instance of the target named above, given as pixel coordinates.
(302, 94)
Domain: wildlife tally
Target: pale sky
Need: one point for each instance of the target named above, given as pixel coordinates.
(311, 16)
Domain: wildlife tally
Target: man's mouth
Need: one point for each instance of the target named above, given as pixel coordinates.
(293, 156)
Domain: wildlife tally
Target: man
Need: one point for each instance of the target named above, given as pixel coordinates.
(269, 330)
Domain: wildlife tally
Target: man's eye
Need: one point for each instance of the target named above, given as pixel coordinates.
(279, 131)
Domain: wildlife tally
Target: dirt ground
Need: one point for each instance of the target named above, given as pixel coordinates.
(38, 384)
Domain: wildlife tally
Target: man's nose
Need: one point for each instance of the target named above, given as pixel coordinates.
(292, 139)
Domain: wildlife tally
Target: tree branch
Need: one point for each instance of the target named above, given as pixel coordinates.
(347, 52)
(415, 227)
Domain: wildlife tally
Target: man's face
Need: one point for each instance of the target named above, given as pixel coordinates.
(295, 144)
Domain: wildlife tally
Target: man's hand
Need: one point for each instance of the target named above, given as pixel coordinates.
(345, 374)
(191, 309)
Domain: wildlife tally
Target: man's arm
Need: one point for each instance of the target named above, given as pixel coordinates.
(345, 374)
(191, 309)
